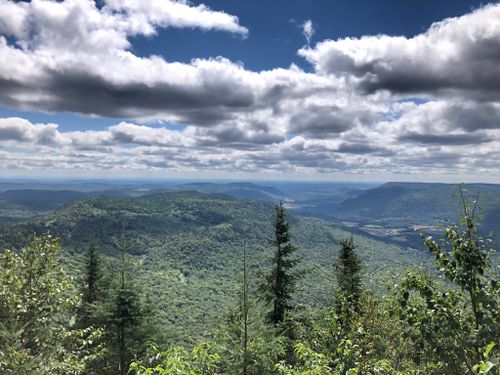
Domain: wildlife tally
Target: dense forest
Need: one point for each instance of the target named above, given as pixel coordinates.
(188, 283)
(194, 241)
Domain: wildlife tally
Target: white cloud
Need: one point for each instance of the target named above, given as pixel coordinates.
(377, 104)
(18, 130)
(308, 30)
(144, 16)
(394, 146)
(459, 53)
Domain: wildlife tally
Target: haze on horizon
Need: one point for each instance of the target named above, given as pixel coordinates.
(166, 89)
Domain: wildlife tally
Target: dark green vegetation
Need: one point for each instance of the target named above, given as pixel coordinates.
(193, 242)
(183, 268)
(22, 200)
(280, 283)
(416, 202)
(236, 189)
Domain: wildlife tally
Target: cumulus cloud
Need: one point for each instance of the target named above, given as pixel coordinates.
(446, 139)
(132, 147)
(460, 53)
(126, 17)
(56, 64)
(22, 131)
(374, 105)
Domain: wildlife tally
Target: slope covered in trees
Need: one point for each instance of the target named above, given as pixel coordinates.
(419, 202)
(189, 245)
(108, 324)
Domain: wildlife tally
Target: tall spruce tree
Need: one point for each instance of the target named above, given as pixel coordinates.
(245, 310)
(90, 287)
(126, 311)
(348, 273)
(280, 283)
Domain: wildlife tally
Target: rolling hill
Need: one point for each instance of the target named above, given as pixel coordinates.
(399, 210)
(190, 247)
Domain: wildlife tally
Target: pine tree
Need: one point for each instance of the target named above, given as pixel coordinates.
(126, 312)
(91, 287)
(245, 310)
(247, 344)
(92, 311)
(280, 283)
(348, 272)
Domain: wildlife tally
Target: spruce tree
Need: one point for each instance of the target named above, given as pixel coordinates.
(90, 287)
(348, 272)
(126, 311)
(280, 283)
(246, 343)
(245, 310)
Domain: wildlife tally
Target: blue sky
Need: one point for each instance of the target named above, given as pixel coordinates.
(233, 89)
(275, 28)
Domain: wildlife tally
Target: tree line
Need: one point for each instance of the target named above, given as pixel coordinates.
(105, 323)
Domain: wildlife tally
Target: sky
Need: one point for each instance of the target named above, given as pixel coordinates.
(297, 89)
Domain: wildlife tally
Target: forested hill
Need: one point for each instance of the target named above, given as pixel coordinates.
(190, 246)
(422, 205)
(244, 190)
(418, 201)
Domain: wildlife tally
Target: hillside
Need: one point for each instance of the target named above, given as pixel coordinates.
(42, 199)
(23, 200)
(190, 246)
(399, 210)
(244, 190)
(416, 201)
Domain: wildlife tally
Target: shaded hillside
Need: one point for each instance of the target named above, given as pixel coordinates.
(42, 199)
(244, 190)
(22, 201)
(190, 247)
(419, 202)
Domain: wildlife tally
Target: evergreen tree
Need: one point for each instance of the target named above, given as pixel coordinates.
(280, 283)
(126, 311)
(114, 302)
(245, 309)
(348, 273)
(92, 311)
(91, 287)
(247, 344)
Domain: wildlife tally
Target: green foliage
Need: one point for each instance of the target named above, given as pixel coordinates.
(450, 327)
(490, 362)
(190, 243)
(37, 302)
(429, 325)
(177, 360)
(348, 268)
(280, 283)
(126, 313)
(264, 343)
(91, 287)
(246, 343)
(310, 363)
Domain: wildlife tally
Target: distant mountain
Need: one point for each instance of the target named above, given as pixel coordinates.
(421, 205)
(245, 190)
(423, 202)
(190, 245)
(19, 201)
(42, 199)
